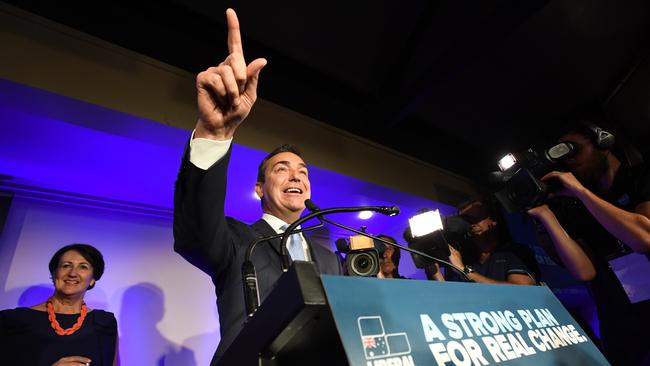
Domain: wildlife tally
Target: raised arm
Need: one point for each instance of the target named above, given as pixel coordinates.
(225, 95)
(569, 251)
(632, 228)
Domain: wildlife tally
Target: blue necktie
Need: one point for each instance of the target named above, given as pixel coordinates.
(295, 246)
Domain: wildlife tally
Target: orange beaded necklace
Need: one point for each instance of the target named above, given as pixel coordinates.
(55, 324)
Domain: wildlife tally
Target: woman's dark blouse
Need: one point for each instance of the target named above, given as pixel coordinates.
(26, 337)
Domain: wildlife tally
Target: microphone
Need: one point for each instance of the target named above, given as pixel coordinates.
(317, 211)
(385, 210)
(311, 206)
(249, 275)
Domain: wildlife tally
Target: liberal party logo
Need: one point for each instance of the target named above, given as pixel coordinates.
(382, 348)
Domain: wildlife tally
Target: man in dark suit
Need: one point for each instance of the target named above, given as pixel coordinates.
(203, 235)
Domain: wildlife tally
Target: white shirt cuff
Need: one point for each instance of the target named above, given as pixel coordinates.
(205, 152)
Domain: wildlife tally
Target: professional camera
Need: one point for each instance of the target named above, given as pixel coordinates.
(518, 181)
(431, 234)
(361, 255)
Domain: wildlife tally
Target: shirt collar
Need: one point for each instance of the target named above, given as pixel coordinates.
(275, 223)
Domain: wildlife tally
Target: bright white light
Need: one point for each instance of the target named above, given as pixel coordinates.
(506, 162)
(365, 215)
(425, 223)
(256, 196)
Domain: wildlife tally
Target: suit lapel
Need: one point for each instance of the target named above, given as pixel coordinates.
(264, 229)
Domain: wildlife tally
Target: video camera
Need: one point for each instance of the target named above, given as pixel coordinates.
(518, 181)
(430, 233)
(361, 255)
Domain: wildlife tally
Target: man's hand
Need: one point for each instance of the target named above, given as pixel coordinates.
(571, 187)
(226, 93)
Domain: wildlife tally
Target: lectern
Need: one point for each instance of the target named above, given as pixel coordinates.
(292, 325)
(309, 319)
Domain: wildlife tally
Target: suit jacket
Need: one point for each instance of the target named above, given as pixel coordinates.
(217, 244)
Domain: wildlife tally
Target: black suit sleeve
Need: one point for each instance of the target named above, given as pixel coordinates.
(201, 230)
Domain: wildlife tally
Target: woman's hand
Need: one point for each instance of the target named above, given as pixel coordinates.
(73, 361)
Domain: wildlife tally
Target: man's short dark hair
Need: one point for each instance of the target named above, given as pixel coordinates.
(280, 149)
(90, 253)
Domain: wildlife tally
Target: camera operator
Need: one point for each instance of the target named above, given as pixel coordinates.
(389, 260)
(601, 211)
(489, 256)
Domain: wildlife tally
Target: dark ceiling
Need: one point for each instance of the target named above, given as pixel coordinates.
(455, 83)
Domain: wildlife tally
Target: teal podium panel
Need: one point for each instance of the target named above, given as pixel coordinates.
(385, 322)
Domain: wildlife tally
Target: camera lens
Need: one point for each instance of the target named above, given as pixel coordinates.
(364, 264)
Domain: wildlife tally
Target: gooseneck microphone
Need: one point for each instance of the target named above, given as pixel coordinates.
(311, 206)
(385, 210)
(249, 275)
(286, 260)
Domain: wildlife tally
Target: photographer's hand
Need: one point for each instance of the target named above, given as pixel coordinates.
(433, 272)
(540, 212)
(630, 227)
(571, 187)
(569, 252)
(455, 258)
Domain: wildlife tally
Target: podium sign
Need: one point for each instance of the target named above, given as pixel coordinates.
(408, 323)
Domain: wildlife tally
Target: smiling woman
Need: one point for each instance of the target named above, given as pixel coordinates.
(62, 331)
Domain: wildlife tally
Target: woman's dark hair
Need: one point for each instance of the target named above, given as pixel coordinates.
(396, 253)
(90, 253)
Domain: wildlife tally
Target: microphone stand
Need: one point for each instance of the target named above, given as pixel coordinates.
(309, 204)
(249, 276)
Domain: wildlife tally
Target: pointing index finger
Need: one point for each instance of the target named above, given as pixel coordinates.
(234, 36)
